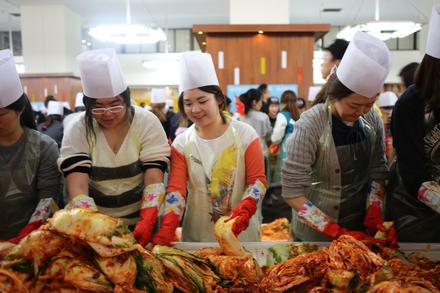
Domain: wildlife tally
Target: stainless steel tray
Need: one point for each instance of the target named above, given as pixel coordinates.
(259, 249)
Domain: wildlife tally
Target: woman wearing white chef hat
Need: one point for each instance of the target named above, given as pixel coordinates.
(160, 109)
(29, 179)
(114, 154)
(53, 126)
(414, 203)
(335, 170)
(218, 160)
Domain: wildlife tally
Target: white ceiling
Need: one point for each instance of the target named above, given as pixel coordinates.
(185, 13)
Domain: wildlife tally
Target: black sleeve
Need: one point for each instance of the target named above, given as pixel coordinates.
(408, 131)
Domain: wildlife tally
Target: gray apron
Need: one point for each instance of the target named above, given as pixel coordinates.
(345, 200)
(415, 221)
(18, 185)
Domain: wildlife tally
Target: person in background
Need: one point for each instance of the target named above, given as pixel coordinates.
(266, 95)
(159, 108)
(301, 104)
(53, 126)
(112, 143)
(407, 74)
(414, 201)
(228, 110)
(252, 101)
(284, 126)
(274, 108)
(29, 180)
(335, 170)
(217, 160)
(332, 56)
(79, 107)
(386, 102)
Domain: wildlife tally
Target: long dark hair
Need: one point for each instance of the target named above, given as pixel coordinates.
(427, 82)
(89, 103)
(212, 89)
(288, 98)
(333, 89)
(23, 105)
(249, 97)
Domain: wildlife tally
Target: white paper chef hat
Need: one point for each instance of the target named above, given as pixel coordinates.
(101, 73)
(158, 95)
(55, 108)
(79, 100)
(196, 70)
(387, 99)
(10, 85)
(66, 105)
(433, 42)
(365, 65)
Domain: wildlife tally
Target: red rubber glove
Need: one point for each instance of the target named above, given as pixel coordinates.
(373, 219)
(374, 222)
(334, 231)
(152, 199)
(174, 208)
(44, 209)
(144, 227)
(25, 231)
(168, 227)
(243, 213)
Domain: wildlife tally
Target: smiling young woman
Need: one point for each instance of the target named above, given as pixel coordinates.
(114, 154)
(217, 161)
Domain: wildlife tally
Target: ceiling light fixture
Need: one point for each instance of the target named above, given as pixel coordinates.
(383, 30)
(260, 32)
(127, 33)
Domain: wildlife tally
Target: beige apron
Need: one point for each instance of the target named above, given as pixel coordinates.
(212, 193)
(329, 195)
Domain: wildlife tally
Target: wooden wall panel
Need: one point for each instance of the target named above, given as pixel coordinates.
(244, 50)
(67, 87)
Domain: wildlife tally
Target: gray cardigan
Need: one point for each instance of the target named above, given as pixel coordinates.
(302, 148)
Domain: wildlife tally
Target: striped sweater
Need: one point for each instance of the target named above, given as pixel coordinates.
(116, 179)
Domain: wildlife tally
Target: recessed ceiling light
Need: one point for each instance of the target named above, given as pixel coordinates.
(260, 32)
(331, 9)
(203, 43)
(200, 33)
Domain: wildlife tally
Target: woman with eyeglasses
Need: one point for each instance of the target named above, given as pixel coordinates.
(335, 170)
(114, 155)
(29, 180)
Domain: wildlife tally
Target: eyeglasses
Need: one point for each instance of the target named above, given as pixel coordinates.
(114, 109)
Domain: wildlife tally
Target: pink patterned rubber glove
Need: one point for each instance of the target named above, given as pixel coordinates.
(82, 201)
(429, 194)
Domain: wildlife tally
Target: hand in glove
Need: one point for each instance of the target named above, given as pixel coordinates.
(318, 220)
(244, 211)
(429, 194)
(174, 208)
(152, 199)
(45, 209)
(82, 201)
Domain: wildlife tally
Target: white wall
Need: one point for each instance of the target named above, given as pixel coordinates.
(135, 74)
(400, 59)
